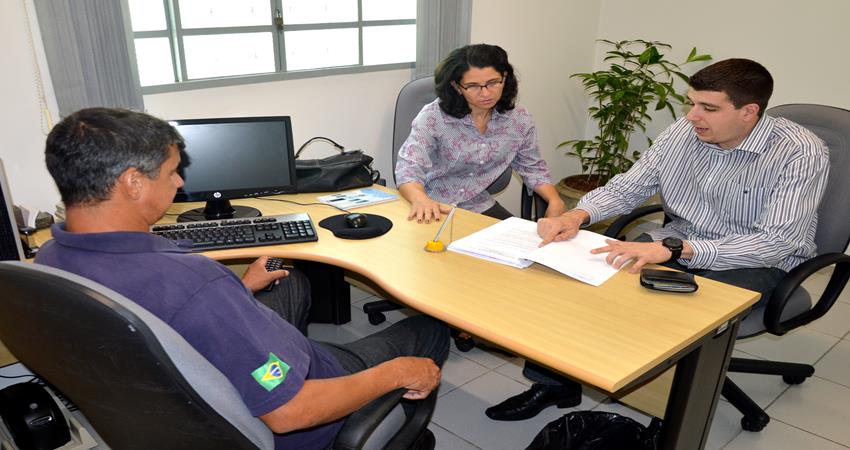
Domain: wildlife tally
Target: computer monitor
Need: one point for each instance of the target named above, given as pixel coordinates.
(10, 240)
(230, 158)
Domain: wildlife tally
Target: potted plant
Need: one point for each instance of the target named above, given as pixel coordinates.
(639, 79)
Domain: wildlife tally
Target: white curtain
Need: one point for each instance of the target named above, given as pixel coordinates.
(89, 54)
(441, 26)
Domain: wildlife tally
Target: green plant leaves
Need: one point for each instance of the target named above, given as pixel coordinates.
(638, 76)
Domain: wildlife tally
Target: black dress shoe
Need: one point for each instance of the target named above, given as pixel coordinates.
(541, 396)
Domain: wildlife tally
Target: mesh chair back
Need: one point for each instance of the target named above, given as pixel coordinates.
(136, 380)
(412, 97)
(833, 126)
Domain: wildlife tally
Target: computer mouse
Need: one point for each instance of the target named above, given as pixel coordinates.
(356, 220)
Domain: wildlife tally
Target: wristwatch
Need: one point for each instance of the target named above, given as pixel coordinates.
(674, 245)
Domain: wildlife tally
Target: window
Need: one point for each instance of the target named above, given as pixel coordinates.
(181, 41)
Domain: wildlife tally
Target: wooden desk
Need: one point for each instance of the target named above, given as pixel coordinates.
(6, 357)
(615, 337)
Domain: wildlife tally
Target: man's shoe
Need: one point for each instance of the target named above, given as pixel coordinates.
(541, 396)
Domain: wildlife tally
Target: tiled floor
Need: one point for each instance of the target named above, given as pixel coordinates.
(812, 416)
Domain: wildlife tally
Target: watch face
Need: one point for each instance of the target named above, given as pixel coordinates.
(672, 243)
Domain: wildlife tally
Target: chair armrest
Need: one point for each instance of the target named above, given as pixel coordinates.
(615, 230)
(786, 287)
(361, 423)
(532, 205)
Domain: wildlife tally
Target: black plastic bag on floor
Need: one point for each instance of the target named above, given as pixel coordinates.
(596, 430)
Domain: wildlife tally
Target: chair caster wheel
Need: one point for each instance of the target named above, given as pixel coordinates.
(754, 424)
(793, 379)
(377, 318)
(464, 345)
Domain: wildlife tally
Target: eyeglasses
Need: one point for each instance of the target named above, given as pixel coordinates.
(476, 88)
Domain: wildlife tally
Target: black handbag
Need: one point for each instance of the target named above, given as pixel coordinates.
(347, 170)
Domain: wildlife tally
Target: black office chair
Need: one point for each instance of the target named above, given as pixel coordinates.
(790, 305)
(140, 384)
(411, 99)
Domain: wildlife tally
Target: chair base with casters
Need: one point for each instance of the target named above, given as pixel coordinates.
(130, 373)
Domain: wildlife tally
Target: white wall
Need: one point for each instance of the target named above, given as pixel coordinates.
(24, 124)
(802, 44)
(354, 110)
(546, 41)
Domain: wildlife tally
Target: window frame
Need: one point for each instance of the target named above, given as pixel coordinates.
(175, 34)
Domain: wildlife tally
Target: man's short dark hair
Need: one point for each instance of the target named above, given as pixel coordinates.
(87, 151)
(743, 80)
(458, 63)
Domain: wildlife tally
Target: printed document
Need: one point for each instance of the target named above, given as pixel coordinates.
(515, 242)
(357, 198)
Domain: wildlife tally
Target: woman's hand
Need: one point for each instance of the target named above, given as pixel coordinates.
(555, 208)
(422, 208)
(425, 210)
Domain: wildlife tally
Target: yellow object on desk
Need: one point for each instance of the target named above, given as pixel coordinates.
(436, 245)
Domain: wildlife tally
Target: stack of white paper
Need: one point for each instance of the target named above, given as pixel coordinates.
(515, 242)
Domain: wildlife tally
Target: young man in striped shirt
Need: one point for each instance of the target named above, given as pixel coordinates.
(741, 189)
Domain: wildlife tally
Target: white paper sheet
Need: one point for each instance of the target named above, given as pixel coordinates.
(515, 242)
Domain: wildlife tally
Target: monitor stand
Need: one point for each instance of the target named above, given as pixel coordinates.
(218, 209)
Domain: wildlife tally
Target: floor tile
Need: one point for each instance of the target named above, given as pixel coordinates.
(458, 371)
(448, 441)
(490, 360)
(835, 366)
(816, 283)
(462, 413)
(763, 389)
(818, 406)
(725, 426)
(801, 345)
(778, 435)
(358, 294)
(836, 322)
(513, 369)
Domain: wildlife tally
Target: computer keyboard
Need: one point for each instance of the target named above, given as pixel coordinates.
(237, 233)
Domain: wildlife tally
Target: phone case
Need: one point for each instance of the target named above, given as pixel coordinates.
(668, 280)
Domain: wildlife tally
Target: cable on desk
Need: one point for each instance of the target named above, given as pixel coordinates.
(303, 204)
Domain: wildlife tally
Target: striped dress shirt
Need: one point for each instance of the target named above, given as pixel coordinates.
(752, 206)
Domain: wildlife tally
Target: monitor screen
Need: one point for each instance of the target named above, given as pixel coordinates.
(10, 240)
(231, 158)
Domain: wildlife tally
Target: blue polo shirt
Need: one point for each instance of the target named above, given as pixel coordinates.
(266, 358)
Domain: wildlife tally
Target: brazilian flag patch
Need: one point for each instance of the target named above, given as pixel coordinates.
(272, 373)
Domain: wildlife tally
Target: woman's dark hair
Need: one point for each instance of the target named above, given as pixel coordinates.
(87, 151)
(458, 63)
(743, 80)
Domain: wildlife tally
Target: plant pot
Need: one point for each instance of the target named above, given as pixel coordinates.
(571, 194)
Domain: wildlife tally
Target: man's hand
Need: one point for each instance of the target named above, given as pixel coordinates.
(424, 209)
(419, 376)
(643, 253)
(561, 228)
(257, 277)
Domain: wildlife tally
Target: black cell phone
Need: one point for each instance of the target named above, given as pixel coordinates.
(668, 280)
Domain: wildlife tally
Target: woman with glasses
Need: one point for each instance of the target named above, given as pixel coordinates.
(462, 141)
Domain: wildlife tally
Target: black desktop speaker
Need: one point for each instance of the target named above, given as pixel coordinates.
(33, 418)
